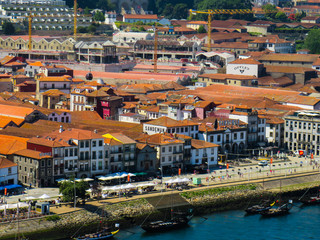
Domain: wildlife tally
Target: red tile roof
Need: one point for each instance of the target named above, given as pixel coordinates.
(140, 16)
(6, 163)
(249, 61)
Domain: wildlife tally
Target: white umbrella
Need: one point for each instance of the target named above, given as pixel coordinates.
(60, 179)
(169, 181)
(89, 190)
(102, 178)
(186, 180)
(177, 180)
(116, 177)
(131, 174)
(29, 198)
(44, 196)
(114, 188)
(128, 186)
(84, 179)
(145, 184)
(88, 179)
(110, 178)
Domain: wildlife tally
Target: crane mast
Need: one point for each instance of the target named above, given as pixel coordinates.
(75, 20)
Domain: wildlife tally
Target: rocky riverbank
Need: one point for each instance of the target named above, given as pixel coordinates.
(136, 211)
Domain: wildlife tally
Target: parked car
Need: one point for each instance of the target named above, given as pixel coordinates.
(263, 163)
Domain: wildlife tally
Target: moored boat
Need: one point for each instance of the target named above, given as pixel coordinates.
(311, 200)
(177, 221)
(101, 235)
(264, 206)
(282, 210)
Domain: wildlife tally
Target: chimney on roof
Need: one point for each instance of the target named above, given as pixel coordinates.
(61, 129)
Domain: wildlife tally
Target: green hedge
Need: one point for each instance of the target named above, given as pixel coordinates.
(213, 191)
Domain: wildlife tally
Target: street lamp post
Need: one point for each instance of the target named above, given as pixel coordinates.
(208, 166)
(161, 177)
(75, 193)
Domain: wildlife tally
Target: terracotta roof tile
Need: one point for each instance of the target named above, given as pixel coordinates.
(31, 154)
(14, 111)
(246, 61)
(202, 144)
(159, 139)
(140, 16)
(169, 122)
(6, 163)
(11, 144)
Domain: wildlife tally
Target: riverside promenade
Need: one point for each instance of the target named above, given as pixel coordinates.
(292, 171)
(270, 182)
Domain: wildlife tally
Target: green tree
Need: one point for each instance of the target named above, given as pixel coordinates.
(167, 11)
(86, 11)
(299, 16)
(141, 29)
(228, 4)
(105, 5)
(8, 28)
(98, 17)
(67, 189)
(281, 16)
(82, 29)
(270, 10)
(92, 28)
(202, 29)
(312, 41)
(180, 11)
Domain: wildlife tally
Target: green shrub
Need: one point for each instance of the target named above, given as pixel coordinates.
(53, 218)
(221, 190)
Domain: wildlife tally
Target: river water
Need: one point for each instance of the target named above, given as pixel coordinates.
(303, 222)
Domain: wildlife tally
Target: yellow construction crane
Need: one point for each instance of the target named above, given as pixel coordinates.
(155, 54)
(75, 20)
(30, 30)
(211, 12)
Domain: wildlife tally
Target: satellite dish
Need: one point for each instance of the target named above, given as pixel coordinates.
(89, 76)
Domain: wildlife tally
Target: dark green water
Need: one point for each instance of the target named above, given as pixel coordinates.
(302, 223)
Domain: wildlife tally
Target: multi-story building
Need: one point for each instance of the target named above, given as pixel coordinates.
(228, 79)
(45, 48)
(166, 49)
(47, 15)
(146, 158)
(204, 153)
(302, 131)
(75, 152)
(35, 168)
(96, 52)
(168, 125)
(145, 18)
(169, 150)
(8, 172)
(229, 134)
(94, 97)
(274, 131)
(120, 152)
(256, 126)
(44, 84)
